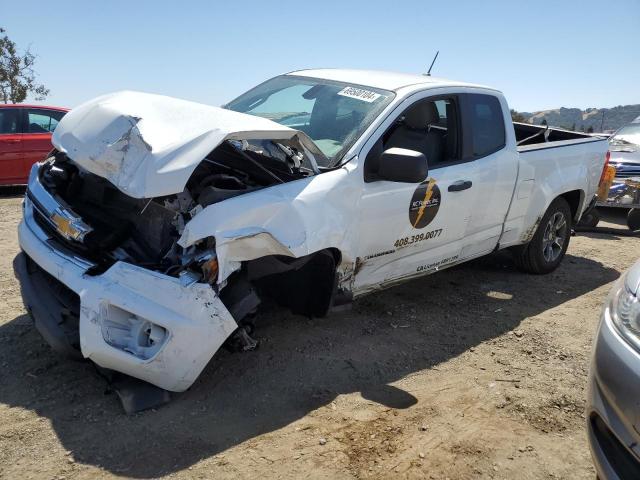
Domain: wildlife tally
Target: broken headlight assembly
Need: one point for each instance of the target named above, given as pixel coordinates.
(209, 269)
(624, 308)
(198, 263)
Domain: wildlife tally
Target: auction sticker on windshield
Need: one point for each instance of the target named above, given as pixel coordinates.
(359, 94)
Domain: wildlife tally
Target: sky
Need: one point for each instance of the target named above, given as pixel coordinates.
(541, 55)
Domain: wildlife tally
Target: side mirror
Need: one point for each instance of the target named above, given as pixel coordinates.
(402, 165)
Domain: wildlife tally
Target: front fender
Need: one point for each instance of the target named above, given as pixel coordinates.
(293, 219)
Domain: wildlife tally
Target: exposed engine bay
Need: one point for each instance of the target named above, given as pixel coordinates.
(145, 232)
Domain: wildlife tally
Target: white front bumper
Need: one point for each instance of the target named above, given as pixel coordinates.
(196, 320)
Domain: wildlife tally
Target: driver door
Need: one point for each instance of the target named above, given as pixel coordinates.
(409, 229)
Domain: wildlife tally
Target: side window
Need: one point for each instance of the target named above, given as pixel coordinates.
(43, 121)
(8, 120)
(441, 105)
(487, 124)
(429, 126)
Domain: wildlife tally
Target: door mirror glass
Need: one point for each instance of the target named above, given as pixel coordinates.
(402, 165)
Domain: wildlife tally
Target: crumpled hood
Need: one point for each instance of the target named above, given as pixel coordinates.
(149, 145)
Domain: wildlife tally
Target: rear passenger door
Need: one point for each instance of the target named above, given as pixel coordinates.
(10, 146)
(484, 118)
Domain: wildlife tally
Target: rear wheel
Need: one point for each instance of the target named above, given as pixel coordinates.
(547, 247)
(633, 219)
(590, 219)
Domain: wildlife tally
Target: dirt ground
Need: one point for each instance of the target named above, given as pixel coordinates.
(476, 372)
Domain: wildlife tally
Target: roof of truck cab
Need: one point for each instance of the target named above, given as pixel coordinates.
(381, 79)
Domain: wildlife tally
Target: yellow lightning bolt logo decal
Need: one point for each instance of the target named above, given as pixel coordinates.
(427, 197)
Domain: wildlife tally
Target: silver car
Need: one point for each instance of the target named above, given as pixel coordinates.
(625, 150)
(613, 410)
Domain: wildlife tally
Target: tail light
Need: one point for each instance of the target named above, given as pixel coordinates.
(606, 179)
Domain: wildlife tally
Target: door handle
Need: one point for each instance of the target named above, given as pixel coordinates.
(460, 185)
(12, 140)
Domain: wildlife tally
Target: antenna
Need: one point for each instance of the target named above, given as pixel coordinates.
(431, 66)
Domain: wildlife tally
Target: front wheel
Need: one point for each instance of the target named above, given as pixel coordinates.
(547, 247)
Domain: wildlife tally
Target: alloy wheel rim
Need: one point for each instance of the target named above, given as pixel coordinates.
(555, 234)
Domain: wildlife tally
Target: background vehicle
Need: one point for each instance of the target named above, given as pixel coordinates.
(625, 149)
(623, 185)
(25, 138)
(168, 234)
(613, 412)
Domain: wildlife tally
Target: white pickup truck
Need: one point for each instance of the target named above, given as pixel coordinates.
(157, 226)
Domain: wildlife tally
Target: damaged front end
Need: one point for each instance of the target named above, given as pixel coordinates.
(125, 289)
(111, 295)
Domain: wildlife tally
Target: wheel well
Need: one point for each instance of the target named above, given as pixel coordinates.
(574, 199)
(305, 284)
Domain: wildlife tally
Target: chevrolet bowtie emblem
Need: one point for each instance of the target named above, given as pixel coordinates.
(68, 226)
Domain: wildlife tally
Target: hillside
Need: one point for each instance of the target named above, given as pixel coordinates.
(576, 119)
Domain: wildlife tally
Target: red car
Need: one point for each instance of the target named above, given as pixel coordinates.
(25, 138)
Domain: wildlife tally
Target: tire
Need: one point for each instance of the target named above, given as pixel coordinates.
(633, 219)
(590, 219)
(547, 247)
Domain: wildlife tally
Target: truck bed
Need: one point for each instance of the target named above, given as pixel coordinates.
(536, 137)
(553, 161)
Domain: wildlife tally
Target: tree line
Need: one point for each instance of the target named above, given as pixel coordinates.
(17, 75)
(519, 117)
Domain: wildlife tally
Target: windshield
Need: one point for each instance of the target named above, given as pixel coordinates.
(628, 135)
(333, 114)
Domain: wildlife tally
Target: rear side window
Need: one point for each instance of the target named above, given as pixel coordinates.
(487, 124)
(8, 120)
(43, 121)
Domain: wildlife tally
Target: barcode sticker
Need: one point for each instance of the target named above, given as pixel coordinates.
(359, 94)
